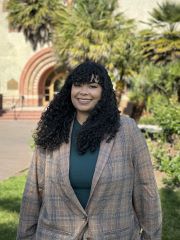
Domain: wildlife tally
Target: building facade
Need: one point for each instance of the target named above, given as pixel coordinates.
(31, 78)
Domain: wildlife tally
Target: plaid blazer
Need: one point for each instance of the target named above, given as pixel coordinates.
(123, 204)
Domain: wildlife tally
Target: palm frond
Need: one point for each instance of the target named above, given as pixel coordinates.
(166, 14)
(33, 18)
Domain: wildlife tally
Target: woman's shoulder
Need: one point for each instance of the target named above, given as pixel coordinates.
(127, 125)
(126, 120)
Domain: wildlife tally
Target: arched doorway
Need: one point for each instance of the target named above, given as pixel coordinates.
(52, 85)
(41, 78)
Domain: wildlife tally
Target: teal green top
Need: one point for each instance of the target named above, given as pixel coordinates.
(81, 168)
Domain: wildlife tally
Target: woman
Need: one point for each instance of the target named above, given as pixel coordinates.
(91, 176)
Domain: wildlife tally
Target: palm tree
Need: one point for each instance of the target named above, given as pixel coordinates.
(94, 30)
(154, 80)
(166, 15)
(33, 18)
(84, 30)
(162, 46)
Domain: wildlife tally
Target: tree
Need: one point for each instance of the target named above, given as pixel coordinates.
(89, 30)
(95, 30)
(151, 78)
(162, 49)
(84, 30)
(33, 18)
(166, 15)
(163, 45)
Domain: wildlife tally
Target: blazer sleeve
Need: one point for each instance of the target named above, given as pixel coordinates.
(32, 198)
(146, 199)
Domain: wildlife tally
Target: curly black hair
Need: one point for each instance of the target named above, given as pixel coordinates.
(103, 122)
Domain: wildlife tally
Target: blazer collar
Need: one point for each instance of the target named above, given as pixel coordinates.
(104, 152)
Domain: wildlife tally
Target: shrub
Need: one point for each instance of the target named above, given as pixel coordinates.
(167, 159)
(148, 119)
(166, 114)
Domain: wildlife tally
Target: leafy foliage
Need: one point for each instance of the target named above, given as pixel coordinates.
(33, 18)
(162, 44)
(147, 119)
(160, 48)
(168, 117)
(166, 159)
(153, 79)
(167, 14)
(86, 30)
(94, 30)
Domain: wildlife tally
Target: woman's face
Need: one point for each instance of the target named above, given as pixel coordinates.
(85, 96)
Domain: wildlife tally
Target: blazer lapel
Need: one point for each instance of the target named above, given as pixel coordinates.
(104, 152)
(62, 156)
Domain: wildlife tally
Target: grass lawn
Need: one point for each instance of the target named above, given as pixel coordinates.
(11, 193)
(10, 197)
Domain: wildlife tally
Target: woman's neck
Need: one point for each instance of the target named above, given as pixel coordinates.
(81, 117)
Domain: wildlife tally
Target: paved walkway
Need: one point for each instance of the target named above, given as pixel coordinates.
(15, 151)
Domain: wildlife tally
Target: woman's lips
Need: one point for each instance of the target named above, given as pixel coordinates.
(84, 101)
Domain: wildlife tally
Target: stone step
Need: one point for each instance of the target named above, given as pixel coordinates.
(21, 115)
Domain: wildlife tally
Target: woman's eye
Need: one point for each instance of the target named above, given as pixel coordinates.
(76, 84)
(93, 86)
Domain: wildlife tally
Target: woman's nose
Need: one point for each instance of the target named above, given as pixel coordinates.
(84, 90)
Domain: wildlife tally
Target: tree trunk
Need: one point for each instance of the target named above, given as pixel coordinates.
(119, 90)
(137, 111)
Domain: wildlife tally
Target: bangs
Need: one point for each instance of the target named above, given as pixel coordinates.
(86, 73)
(87, 78)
